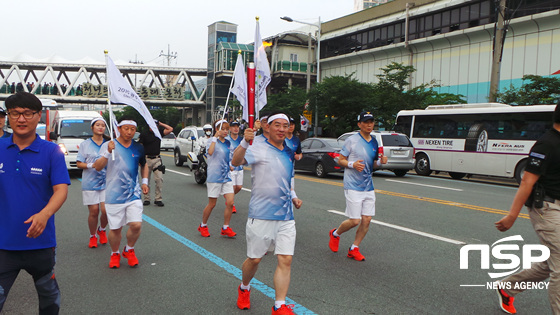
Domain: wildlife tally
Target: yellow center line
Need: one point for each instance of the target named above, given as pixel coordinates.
(426, 199)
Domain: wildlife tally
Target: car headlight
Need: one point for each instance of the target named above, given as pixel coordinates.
(63, 148)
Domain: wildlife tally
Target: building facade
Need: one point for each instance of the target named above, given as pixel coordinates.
(217, 85)
(449, 42)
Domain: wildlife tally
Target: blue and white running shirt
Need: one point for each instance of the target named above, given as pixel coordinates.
(218, 162)
(89, 153)
(357, 148)
(233, 145)
(294, 143)
(260, 138)
(271, 174)
(122, 173)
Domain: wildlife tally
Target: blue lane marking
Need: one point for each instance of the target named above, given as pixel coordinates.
(266, 290)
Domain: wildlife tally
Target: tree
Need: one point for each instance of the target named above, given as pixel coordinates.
(340, 99)
(391, 94)
(290, 100)
(534, 90)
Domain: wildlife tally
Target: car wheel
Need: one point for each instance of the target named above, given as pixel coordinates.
(422, 166)
(320, 170)
(520, 170)
(177, 158)
(400, 173)
(456, 175)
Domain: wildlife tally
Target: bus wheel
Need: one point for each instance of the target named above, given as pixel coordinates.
(455, 175)
(520, 170)
(422, 166)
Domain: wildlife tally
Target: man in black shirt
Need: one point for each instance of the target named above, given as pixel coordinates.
(152, 147)
(543, 169)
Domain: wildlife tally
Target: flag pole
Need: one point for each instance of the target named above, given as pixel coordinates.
(255, 54)
(109, 100)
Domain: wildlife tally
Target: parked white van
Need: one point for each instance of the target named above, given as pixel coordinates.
(68, 129)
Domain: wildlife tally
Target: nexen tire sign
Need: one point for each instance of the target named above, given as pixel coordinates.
(530, 253)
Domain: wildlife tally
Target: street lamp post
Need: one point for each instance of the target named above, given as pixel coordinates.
(318, 38)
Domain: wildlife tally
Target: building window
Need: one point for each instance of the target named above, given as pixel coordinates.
(475, 13)
(293, 58)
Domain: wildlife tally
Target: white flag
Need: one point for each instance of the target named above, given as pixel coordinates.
(122, 93)
(262, 71)
(113, 122)
(240, 85)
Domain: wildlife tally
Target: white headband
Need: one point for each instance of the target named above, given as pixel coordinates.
(93, 121)
(219, 123)
(277, 116)
(127, 122)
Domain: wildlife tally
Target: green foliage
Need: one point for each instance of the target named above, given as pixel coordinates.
(340, 99)
(534, 90)
(391, 94)
(291, 100)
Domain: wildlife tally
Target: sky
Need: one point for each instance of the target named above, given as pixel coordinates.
(142, 29)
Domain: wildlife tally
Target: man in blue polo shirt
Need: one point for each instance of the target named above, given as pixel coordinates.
(33, 186)
(359, 156)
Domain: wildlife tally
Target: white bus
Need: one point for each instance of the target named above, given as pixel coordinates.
(484, 139)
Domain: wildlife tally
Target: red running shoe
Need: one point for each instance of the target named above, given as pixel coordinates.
(243, 298)
(102, 236)
(506, 302)
(92, 242)
(233, 210)
(355, 254)
(131, 256)
(204, 231)
(333, 241)
(283, 310)
(115, 261)
(228, 232)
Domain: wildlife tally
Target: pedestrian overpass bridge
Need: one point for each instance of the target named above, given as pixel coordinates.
(85, 83)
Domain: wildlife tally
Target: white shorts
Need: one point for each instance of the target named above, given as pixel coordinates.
(359, 203)
(237, 177)
(93, 197)
(263, 235)
(120, 214)
(218, 189)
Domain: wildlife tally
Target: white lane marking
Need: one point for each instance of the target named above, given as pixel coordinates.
(180, 173)
(405, 229)
(432, 186)
(246, 189)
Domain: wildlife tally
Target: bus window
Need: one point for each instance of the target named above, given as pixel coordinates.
(403, 125)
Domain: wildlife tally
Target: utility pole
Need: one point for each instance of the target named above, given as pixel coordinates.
(170, 55)
(136, 62)
(499, 34)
